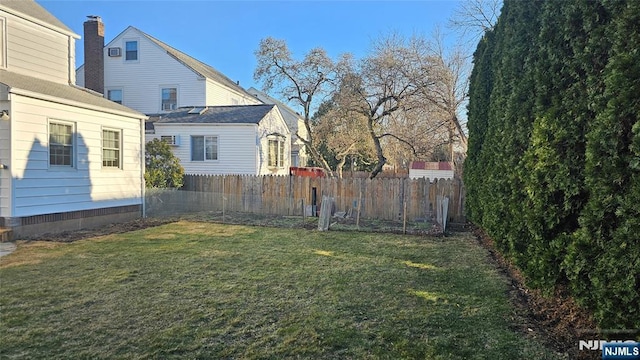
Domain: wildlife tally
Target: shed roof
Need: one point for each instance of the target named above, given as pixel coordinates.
(431, 165)
(232, 114)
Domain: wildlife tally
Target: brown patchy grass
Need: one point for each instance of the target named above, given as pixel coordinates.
(220, 291)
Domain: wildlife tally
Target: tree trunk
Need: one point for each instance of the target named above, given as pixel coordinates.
(376, 142)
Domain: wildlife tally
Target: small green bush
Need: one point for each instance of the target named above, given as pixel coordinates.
(163, 169)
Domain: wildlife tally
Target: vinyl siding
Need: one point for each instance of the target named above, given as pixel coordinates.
(218, 94)
(273, 123)
(142, 81)
(430, 174)
(43, 189)
(37, 51)
(80, 76)
(237, 147)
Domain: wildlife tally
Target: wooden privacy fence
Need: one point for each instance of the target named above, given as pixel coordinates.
(382, 199)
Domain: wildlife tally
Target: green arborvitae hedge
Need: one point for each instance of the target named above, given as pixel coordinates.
(553, 170)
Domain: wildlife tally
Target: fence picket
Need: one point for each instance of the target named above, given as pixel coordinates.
(382, 198)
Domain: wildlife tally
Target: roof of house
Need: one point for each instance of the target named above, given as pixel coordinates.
(68, 92)
(431, 165)
(290, 116)
(197, 66)
(232, 114)
(34, 10)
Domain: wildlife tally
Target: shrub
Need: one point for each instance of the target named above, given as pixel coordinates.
(163, 169)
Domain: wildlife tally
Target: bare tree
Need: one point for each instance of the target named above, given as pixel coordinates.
(342, 130)
(299, 82)
(447, 89)
(402, 99)
(474, 17)
(385, 83)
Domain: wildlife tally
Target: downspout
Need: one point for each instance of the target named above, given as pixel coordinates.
(142, 165)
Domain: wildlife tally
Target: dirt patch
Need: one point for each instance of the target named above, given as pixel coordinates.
(70, 236)
(556, 320)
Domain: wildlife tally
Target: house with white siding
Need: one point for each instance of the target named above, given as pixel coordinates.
(431, 170)
(294, 121)
(232, 139)
(69, 158)
(146, 74)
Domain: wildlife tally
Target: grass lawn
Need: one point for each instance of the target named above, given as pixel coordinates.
(203, 290)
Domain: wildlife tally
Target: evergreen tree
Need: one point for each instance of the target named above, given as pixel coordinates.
(162, 168)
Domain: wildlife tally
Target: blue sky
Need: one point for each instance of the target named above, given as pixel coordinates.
(225, 34)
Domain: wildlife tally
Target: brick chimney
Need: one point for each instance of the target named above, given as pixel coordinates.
(93, 54)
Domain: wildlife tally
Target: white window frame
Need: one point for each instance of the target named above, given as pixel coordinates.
(278, 152)
(118, 149)
(124, 47)
(73, 146)
(121, 95)
(204, 147)
(168, 87)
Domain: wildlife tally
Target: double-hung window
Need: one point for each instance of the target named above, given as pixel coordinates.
(276, 152)
(131, 50)
(204, 148)
(115, 95)
(169, 99)
(61, 143)
(111, 148)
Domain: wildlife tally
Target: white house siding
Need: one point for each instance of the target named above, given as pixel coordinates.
(270, 124)
(80, 76)
(37, 51)
(218, 94)
(40, 189)
(430, 174)
(237, 147)
(141, 82)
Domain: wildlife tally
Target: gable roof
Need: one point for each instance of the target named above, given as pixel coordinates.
(34, 11)
(232, 114)
(290, 116)
(74, 95)
(195, 65)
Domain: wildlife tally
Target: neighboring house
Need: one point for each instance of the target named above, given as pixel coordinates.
(141, 72)
(295, 122)
(241, 139)
(68, 157)
(431, 170)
